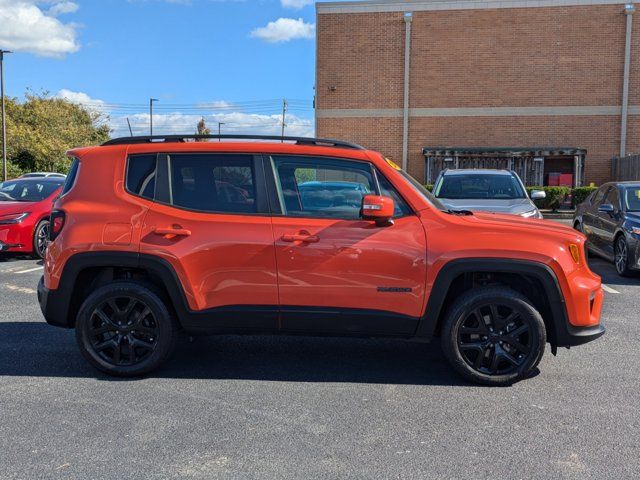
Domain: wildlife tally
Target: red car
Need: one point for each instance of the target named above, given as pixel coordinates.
(25, 206)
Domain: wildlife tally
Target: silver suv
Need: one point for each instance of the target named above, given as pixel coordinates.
(499, 191)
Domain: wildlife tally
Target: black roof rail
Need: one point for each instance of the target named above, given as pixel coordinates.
(321, 142)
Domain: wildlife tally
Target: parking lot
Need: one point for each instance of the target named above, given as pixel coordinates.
(254, 407)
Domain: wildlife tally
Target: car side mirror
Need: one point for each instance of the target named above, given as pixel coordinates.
(606, 208)
(378, 208)
(538, 194)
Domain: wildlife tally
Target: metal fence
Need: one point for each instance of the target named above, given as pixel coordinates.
(625, 168)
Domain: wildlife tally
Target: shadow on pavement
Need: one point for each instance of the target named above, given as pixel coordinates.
(39, 350)
(608, 273)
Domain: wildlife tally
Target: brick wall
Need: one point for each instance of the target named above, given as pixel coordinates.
(520, 57)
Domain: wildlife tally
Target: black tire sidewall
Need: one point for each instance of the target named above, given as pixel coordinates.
(482, 296)
(163, 317)
(39, 227)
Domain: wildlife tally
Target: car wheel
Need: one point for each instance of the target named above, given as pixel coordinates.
(621, 256)
(41, 239)
(126, 329)
(493, 336)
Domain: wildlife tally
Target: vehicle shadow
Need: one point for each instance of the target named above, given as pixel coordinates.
(39, 350)
(607, 271)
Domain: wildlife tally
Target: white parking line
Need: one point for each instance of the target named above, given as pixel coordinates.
(29, 270)
(608, 289)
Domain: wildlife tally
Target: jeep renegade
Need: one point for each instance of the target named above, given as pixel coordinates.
(156, 235)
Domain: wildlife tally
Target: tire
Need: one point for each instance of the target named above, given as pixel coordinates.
(621, 256)
(126, 329)
(489, 351)
(40, 239)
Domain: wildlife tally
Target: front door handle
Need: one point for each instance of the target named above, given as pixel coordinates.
(305, 237)
(178, 232)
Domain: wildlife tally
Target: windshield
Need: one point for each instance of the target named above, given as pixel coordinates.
(632, 199)
(417, 186)
(479, 186)
(27, 191)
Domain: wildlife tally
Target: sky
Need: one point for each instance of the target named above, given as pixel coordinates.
(229, 61)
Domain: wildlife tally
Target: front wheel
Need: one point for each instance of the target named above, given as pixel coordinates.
(493, 336)
(621, 256)
(125, 329)
(40, 239)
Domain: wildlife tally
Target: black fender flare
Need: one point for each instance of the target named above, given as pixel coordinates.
(454, 268)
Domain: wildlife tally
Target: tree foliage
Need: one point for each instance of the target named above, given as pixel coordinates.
(42, 128)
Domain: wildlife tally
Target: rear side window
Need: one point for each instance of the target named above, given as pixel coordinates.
(217, 183)
(71, 176)
(141, 175)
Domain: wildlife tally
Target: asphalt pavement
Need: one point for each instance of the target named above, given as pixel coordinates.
(280, 408)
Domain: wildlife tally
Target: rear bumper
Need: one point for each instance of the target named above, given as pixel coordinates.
(53, 306)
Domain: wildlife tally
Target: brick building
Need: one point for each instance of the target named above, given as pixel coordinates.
(542, 86)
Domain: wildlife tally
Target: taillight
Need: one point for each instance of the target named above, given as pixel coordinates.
(56, 224)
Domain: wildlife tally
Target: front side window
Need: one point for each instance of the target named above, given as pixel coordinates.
(219, 183)
(317, 187)
(479, 186)
(632, 199)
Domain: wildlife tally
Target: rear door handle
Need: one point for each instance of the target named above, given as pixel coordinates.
(301, 237)
(178, 232)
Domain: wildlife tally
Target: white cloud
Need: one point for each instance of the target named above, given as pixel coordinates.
(297, 4)
(80, 97)
(285, 29)
(234, 123)
(216, 105)
(26, 28)
(60, 8)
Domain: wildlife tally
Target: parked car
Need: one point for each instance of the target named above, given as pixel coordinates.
(156, 247)
(499, 191)
(610, 218)
(43, 175)
(25, 205)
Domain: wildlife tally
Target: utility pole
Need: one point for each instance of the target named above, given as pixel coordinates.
(4, 123)
(284, 114)
(151, 100)
(129, 123)
(219, 129)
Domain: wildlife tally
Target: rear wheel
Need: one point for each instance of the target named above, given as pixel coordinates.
(493, 336)
(621, 256)
(40, 239)
(125, 329)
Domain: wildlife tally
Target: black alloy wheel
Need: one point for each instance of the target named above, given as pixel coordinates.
(493, 336)
(126, 328)
(41, 239)
(494, 339)
(123, 331)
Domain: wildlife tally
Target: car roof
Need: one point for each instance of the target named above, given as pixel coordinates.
(59, 180)
(477, 171)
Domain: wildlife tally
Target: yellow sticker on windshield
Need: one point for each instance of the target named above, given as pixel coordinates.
(638, 193)
(393, 164)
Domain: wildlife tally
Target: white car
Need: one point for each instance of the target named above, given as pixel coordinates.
(43, 174)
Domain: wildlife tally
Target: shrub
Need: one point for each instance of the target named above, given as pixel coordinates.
(555, 196)
(580, 194)
(429, 187)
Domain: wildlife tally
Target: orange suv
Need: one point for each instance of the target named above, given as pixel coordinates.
(153, 235)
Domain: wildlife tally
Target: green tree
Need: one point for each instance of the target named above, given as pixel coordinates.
(42, 128)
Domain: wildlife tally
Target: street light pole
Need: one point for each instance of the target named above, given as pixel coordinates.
(151, 100)
(219, 129)
(4, 123)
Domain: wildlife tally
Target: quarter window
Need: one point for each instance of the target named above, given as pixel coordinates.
(141, 175)
(322, 187)
(213, 182)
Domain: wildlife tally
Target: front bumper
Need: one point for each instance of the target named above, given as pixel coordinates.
(571, 336)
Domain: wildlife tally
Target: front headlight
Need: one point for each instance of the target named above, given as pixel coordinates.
(13, 218)
(530, 214)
